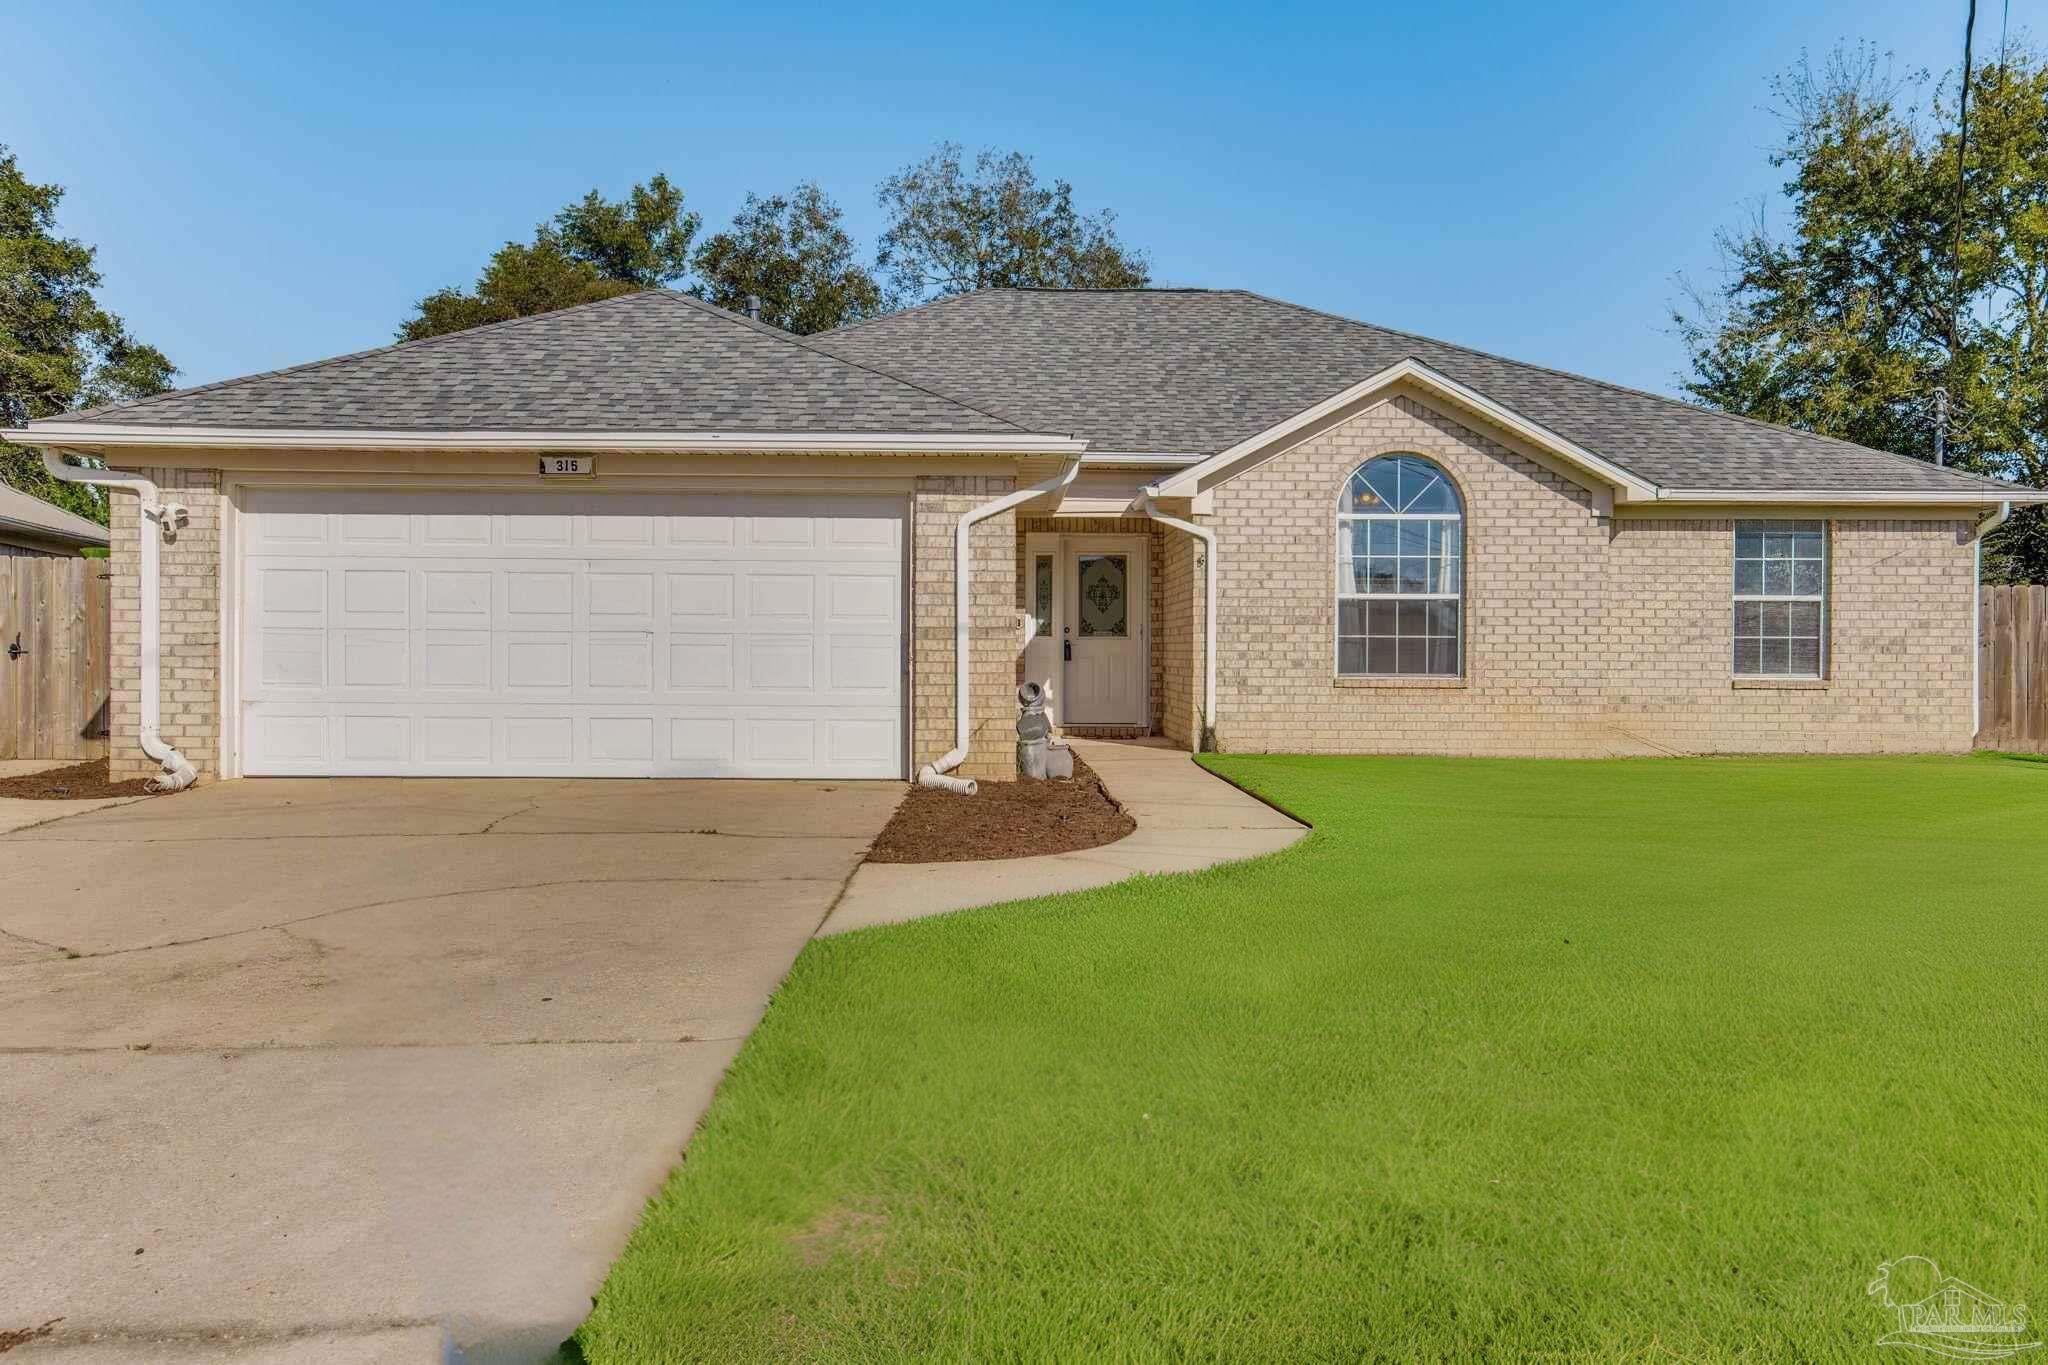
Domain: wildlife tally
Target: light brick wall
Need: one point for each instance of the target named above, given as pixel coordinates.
(189, 641)
(936, 506)
(1583, 635)
(1177, 637)
(1899, 613)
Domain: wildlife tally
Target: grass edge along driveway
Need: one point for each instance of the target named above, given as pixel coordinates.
(1639, 1059)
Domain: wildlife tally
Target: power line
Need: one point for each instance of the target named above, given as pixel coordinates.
(1956, 239)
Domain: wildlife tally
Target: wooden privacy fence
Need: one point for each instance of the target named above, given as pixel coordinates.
(2012, 666)
(53, 657)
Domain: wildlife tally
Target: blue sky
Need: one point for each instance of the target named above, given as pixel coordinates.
(274, 184)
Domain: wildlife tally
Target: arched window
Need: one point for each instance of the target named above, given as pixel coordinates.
(1400, 571)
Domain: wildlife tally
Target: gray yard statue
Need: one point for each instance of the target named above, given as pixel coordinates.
(1037, 755)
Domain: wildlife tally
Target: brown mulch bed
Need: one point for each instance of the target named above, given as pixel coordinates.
(79, 782)
(1003, 820)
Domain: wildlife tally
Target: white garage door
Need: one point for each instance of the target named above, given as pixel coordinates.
(601, 634)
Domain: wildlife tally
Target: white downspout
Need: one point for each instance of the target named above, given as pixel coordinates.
(177, 774)
(1208, 539)
(1984, 528)
(933, 774)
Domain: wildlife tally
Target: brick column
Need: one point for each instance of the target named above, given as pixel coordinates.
(189, 601)
(936, 507)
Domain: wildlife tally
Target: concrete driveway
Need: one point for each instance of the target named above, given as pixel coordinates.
(323, 1069)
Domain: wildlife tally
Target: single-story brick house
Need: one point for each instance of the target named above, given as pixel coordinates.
(647, 536)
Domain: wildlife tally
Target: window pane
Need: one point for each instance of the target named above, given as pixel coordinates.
(1771, 616)
(1806, 545)
(1351, 656)
(1414, 574)
(1748, 618)
(1414, 656)
(1414, 537)
(1777, 545)
(1776, 654)
(1379, 655)
(1803, 618)
(1382, 481)
(1806, 657)
(1381, 619)
(1749, 544)
(1351, 575)
(1435, 495)
(1380, 577)
(1443, 657)
(1041, 601)
(1386, 536)
(1777, 577)
(1351, 618)
(1749, 576)
(1806, 577)
(1748, 656)
(1443, 618)
(1411, 618)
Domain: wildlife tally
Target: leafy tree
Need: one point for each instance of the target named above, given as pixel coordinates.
(952, 230)
(593, 249)
(1883, 291)
(59, 350)
(789, 251)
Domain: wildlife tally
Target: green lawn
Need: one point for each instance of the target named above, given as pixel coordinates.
(1646, 1059)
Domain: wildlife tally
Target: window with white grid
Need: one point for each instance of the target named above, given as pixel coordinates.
(1781, 599)
(1400, 571)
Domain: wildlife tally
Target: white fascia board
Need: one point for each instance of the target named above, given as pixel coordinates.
(100, 435)
(1161, 459)
(1960, 497)
(1631, 486)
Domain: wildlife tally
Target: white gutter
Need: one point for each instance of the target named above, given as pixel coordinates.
(177, 774)
(1208, 539)
(1984, 528)
(933, 774)
(1969, 496)
(99, 434)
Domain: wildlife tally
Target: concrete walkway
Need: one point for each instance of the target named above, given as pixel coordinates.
(1187, 818)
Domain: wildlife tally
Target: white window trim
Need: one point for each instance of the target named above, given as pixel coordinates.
(1736, 598)
(1342, 556)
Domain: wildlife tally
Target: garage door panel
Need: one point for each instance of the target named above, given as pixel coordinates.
(456, 661)
(372, 660)
(619, 663)
(289, 595)
(530, 662)
(780, 601)
(456, 597)
(534, 633)
(619, 599)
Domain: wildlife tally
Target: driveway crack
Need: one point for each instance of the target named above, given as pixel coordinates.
(36, 942)
(284, 925)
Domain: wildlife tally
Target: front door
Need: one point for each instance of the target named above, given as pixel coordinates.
(1103, 633)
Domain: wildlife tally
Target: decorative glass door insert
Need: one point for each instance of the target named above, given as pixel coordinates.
(1102, 604)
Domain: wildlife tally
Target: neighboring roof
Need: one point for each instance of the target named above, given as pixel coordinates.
(649, 361)
(1196, 371)
(31, 516)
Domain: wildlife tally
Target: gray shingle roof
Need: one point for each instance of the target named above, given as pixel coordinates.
(652, 361)
(1197, 371)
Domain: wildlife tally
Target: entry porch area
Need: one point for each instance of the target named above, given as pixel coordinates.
(1112, 622)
